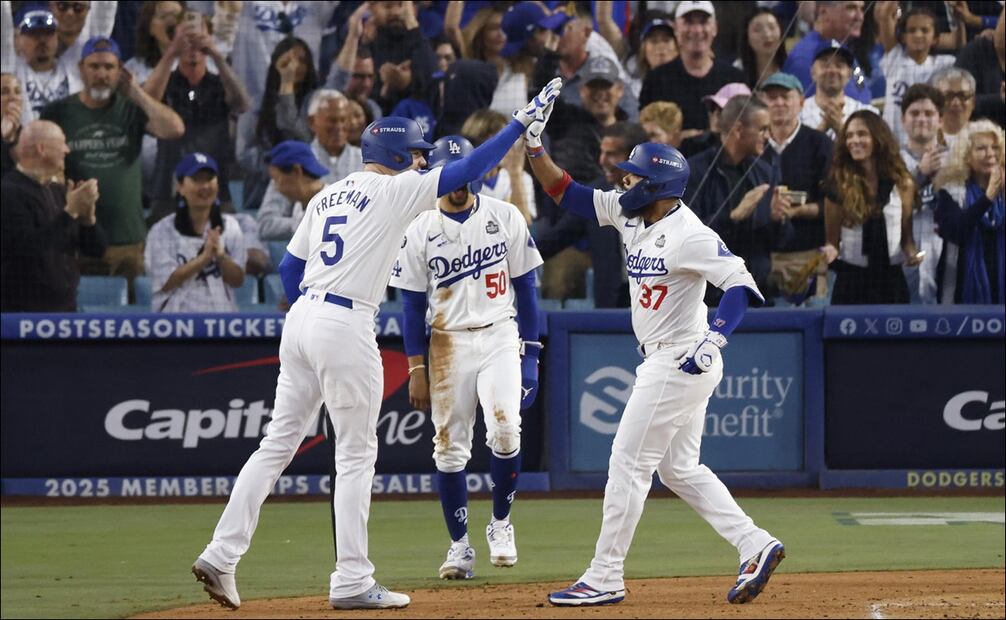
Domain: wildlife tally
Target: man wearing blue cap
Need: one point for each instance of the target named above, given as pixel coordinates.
(831, 104)
(803, 156)
(104, 125)
(43, 75)
(196, 255)
(296, 176)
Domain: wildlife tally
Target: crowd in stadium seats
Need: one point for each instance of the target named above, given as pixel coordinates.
(851, 152)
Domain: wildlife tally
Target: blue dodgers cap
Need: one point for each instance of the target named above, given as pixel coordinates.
(193, 163)
(35, 19)
(519, 24)
(295, 153)
(834, 48)
(659, 22)
(555, 21)
(782, 80)
(100, 44)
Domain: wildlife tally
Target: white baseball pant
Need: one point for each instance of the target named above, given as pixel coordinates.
(468, 368)
(661, 429)
(327, 353)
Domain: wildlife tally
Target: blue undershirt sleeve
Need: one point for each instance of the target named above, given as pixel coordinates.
(527, 306)
(291, 273)
(731, 310)
(579, 199)
(414, 326)
(457, 173)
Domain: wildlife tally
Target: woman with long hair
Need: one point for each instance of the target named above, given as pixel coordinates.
(657, 47)
(969, 217)
(762, 47)
(291, 74)
(868, 215)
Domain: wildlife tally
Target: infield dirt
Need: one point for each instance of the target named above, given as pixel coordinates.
(895, 594)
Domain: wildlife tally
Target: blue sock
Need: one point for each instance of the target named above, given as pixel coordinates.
(453, 489)
(504, 474)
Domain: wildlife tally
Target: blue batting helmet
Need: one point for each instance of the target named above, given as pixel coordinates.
(665, 175)
(452, 148)
(389, 142)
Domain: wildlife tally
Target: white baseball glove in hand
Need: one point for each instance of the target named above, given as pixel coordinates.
(537, 127)
(701, 356)
(535, 109)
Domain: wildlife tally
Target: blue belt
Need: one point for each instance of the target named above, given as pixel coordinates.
(332, 298)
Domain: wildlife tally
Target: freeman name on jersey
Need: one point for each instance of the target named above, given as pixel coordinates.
(351, 197)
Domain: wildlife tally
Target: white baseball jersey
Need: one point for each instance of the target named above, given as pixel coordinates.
(167, 249)
(668, 264)
(351, 227)
(465, 268)
(901, 72)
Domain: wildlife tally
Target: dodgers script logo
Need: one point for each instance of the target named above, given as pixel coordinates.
(638, 266)
(471, 263)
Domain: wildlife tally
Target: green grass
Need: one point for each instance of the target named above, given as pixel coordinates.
(119, 560)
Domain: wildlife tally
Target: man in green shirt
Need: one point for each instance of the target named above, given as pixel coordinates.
(104, 126)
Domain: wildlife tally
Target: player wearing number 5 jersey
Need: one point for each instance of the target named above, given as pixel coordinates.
(670, 255)
(465, 260)
(334, 273)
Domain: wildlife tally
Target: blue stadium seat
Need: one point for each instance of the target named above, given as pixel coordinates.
(247, 294)
(102, 291)
(237, 189)
(550, 305)
(578, 304)
(589, 284)
(276, 251)
(272, 286)
(143, 289)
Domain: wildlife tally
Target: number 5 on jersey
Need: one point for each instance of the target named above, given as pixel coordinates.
(327, 234)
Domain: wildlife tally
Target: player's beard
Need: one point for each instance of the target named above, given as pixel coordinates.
(456, 202)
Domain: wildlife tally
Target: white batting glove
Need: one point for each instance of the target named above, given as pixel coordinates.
(703, 353)
(537, 127)
(535, 109)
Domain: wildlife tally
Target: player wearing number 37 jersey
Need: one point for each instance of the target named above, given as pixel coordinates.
(670, 255)
(465, 260)
(334, 273)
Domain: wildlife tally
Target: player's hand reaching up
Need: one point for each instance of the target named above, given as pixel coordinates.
(703, 353)
(535, 109)
(537, 127)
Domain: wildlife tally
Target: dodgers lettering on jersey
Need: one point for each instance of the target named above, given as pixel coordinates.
(465, 268)
(668, 265)
(352, 229)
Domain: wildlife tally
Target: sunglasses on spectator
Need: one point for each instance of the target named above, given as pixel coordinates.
(76, 7)
(963, 95)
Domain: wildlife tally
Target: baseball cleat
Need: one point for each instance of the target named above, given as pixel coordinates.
(377, 597)
(219, 585)
(502, 544)
(580, 595)
(754, 574)
(460, 562)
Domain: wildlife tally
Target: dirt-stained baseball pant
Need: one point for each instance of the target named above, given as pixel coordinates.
(661, 429)
(466, 368)
(327, 353)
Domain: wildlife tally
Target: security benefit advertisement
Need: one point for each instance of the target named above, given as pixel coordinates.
(908, 404)
(171, 408)
(755, 417)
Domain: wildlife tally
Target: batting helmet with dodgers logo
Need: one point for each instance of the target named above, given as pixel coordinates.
(451, 148)
(391, 140)
(665, 175)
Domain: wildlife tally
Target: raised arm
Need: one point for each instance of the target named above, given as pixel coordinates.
(885, 16)
(462, 171)
(556, 182)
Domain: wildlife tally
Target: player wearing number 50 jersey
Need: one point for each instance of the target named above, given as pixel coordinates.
(334, 273)
(465, 260)
(670, 255)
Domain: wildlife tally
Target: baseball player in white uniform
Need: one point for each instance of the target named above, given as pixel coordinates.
(335, 273)
(465, 261)
(670, 255)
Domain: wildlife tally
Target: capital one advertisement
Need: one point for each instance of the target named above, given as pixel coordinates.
(171, 408)
(754, 421)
